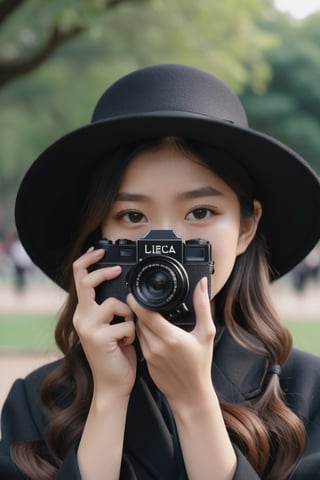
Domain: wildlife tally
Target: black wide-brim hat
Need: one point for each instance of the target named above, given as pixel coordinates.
(167, 100)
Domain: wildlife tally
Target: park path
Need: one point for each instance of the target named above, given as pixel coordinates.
(48, 299)
(38, 299)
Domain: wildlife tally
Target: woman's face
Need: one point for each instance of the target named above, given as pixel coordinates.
(166, 189)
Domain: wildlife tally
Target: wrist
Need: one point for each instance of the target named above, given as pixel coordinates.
(104, 401)
(189, 407)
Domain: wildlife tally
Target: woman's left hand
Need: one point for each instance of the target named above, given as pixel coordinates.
(179, 362)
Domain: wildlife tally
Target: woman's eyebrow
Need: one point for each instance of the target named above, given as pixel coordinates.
(205, 191)
(131, 197)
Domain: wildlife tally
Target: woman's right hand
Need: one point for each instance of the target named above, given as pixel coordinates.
(108, 347)
(112, 359)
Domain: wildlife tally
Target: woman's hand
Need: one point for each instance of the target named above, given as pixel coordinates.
(179, 362)
(112, 360)
(108, 348)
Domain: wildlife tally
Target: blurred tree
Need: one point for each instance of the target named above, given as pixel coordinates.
(37, 108)
(48, 26)
(221, 37)
(290, 108)
(219, 33)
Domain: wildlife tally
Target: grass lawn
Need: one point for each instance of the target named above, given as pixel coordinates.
(32, 333)
(306, 335)
(28, 333)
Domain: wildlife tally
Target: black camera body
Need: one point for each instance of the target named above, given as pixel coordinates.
(160, 270)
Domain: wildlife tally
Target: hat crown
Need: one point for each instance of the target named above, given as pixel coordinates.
(170, 88)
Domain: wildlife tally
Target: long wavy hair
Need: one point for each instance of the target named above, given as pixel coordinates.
(269, 434)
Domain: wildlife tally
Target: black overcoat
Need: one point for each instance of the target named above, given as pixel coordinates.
(151, 447)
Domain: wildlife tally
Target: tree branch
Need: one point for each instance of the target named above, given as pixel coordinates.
(7, 7)
(12, 69)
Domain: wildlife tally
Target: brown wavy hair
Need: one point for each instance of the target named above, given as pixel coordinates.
(269, 434)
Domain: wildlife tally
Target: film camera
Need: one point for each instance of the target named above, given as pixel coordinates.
(160, 270)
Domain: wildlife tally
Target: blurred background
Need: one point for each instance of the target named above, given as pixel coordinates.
(57, 57)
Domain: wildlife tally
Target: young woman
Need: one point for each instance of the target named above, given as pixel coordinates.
(137, 395)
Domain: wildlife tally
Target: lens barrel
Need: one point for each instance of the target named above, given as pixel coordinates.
(159, 283)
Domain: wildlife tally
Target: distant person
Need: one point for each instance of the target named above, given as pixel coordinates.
(22, 264)
(174, 366)
(307, 271)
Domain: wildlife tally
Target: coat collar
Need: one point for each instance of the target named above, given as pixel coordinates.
(238, 374)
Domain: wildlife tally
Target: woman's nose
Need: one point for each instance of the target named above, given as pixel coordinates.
(164, 224)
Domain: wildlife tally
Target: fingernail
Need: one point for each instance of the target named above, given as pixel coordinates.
(115, 268)
(90, 249)
(204, 285)
(98, 251)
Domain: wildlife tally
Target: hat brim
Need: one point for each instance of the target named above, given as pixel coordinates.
(51, 193)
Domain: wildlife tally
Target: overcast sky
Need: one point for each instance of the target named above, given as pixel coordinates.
(298, 8)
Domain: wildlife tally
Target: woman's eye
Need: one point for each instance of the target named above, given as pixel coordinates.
(199, 214)
(133, 217)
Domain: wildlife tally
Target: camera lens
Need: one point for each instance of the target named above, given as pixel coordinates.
(159, 283)
(156, 283)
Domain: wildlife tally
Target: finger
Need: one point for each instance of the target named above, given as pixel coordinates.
(102, 314)
(112, 307)
(108, 337)
(81, 265)
(84, 261)
(94, 278)
(124, 333)
(86, 322)
(204, 322)
(156, 334)
(151, 320)
(86, 282)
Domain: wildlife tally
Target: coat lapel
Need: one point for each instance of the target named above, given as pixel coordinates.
(148, 441)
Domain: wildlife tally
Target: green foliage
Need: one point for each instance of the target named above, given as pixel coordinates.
(210, 34)
(33, 20)
(290, 108)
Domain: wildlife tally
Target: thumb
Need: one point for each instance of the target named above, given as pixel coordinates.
(201, 302)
